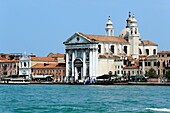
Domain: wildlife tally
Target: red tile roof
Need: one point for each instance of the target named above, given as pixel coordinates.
(147, 42)
(44, 66)
(164, 52)
(131, 67)
(9, 61)
(129, 58)
(1, 58)
(45, 59)
(57, 55)
(101, 38)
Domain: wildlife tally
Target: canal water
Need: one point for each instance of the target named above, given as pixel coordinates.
(84, 99)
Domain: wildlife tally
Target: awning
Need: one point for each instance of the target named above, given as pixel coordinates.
(18, 75)
(105, 76)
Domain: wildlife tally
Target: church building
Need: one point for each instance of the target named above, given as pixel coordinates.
(89, 55)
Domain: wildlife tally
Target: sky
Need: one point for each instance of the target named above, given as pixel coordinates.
(41, 26)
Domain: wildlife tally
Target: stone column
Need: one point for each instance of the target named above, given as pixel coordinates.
(96, 57)
(90, 63)
(84, 64)
(143, 67)
(94, 62)
(73, 63)
(67, 64)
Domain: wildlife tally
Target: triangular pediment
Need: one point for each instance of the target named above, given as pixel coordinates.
(76, 39)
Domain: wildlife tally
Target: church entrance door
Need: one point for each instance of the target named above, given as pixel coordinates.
(78, 64)
(79, 73)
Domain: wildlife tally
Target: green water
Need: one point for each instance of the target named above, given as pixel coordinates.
(84, 99)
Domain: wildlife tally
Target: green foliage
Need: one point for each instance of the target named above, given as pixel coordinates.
(151, 73)
(110, 73)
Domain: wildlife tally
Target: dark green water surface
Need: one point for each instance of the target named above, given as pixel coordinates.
(84, 99)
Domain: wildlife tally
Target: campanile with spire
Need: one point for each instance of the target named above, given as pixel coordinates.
(109, 28)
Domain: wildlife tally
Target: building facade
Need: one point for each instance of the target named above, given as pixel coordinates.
(9, 64)
(94, 55)
(163, 62)
(56, 71)
(33, 66)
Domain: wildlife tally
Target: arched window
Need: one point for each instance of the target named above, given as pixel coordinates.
(140, 52)
(163, 63)
(111, 32)
(147, 51)
(131, 31)
(99, 48)
(25, 64)
(158, 63)
(112, 49)
(136, 31)
(154, 51)
(125, 49)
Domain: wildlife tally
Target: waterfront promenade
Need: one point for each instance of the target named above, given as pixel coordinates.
(103, 83)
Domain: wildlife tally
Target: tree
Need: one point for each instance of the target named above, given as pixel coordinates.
(110, 74)
(151, 73)
(168, 74)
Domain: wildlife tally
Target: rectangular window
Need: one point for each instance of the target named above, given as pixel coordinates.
(149, 63)
(140, 63)
(112, 49)
(125, 49)
(99, 48)
(129, 72)
(146, 64)
(147, 51)
(155, 63)
(140, 72)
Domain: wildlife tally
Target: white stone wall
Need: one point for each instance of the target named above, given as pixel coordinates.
(132, 71)
(105, 65)
(118, 48)
(118, 64)
(151, 48)
(25, 69)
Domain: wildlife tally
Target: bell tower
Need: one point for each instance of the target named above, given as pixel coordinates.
(25, 66)
(134, 36)
(109, 28)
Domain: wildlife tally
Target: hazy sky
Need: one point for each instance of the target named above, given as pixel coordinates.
(41, 26)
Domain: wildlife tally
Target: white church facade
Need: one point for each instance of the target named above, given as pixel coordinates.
(95, 55)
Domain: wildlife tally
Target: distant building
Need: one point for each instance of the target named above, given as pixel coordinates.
(59, 57)
(57, 71)
(35, 66)
(163, 62)
(8, 67)
(9, 64)
(95, 55)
